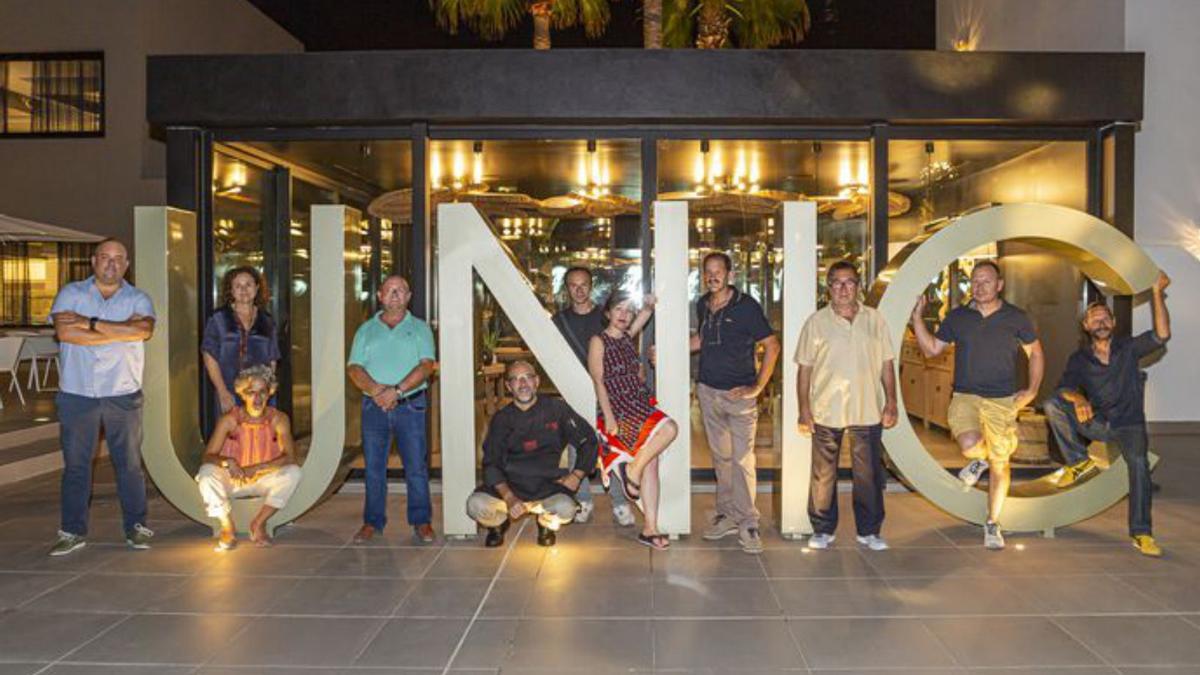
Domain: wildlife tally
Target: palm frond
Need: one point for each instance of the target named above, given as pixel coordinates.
(760, 24)
(493, 18)
(452, 13)
(679, 22)
(592, 14)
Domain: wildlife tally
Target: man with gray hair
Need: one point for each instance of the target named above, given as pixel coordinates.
(521, 454)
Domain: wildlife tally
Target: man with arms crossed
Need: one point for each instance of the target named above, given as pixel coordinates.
(847, 383)
(986, 334)
(1102, 398)
(102, 323)
(731, 328)
(521, 454)
(579, 322)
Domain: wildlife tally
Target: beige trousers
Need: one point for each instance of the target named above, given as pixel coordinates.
(730, 426)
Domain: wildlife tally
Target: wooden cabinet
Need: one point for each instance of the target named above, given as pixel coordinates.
(926, 384)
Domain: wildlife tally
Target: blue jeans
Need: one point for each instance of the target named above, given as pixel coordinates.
(617, 496)
(405, 423)
(80, 421)
(1074, 436)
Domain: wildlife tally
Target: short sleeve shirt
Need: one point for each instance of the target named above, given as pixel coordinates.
(986, 348)
(389, 354)
(102, 371)
(728, 337)
(579, 329)
(1117, 390)
(847, 359)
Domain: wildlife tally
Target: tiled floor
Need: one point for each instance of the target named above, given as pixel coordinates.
(1081, 604)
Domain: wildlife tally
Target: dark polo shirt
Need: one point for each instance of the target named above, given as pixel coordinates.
(523, 447)
(1116, 391)
(986, 348)
(727, 340)
(579, 329)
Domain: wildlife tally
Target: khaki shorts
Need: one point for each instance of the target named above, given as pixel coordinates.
(995, 418)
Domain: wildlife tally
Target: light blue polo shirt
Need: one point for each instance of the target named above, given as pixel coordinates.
(100, 371)
(389, 354)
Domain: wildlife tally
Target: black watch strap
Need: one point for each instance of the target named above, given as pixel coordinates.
(92, 322)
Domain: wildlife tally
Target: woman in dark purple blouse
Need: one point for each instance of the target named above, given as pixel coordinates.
(240, 333)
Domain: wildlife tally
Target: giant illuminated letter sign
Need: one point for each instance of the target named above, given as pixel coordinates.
(165, 242)
(1105, 255)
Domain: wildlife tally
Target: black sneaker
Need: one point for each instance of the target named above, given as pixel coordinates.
(546, 536)
(138, 537)
(495, 535)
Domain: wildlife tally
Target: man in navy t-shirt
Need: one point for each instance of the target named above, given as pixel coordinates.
(1101, 397)
(732, 327)
(988, 333)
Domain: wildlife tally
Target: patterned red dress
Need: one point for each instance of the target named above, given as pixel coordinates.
(631, 403)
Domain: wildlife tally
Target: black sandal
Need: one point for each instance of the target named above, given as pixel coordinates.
(632, 490)
(658, 542)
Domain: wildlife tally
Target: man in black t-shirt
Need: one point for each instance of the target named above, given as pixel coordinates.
(521, 453)
(988, 333)
(731, 328)
(580, 321)
(1101, 397)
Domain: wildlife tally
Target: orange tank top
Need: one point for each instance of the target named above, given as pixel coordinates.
(253, 441)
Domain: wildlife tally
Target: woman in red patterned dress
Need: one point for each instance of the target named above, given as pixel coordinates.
(635, 432)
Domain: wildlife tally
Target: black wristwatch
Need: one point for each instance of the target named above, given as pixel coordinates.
(92, 323)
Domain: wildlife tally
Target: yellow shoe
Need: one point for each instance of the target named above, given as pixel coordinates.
(1075, 473)
(1145, 545)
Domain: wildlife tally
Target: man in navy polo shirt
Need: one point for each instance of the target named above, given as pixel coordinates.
(1101, 397)
(988, 333)
(731, 328)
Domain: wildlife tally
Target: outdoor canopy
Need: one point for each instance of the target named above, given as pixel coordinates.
(17, 229)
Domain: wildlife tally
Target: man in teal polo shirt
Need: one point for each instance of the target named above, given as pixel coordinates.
(391, 361)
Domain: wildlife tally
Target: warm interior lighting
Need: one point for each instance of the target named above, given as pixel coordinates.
(458, 169)
(477, 164)
(435, 170)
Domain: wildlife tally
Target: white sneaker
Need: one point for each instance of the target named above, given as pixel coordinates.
(873, 542)
(720, 526)
(821, 541)
(992, 538)
(750, 540)
(584, 513)
(971, 473)
(623, 515)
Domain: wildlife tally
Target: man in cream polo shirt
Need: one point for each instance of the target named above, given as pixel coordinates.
(847, 384)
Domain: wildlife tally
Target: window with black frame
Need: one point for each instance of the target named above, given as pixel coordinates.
(52, 94)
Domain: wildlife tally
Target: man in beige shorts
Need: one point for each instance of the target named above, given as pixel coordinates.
(988, 333)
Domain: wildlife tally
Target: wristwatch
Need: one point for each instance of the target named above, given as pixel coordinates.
(92, 322)
(399, 391)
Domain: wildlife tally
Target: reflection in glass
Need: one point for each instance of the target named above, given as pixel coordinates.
(304, 196)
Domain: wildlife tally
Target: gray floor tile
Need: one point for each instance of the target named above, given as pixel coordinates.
(477, 563)
(719, 644)
(163, 638)
(444, 598)
(282, 561)
(206, 594)
(189, 558)
(799, 562)
(1137, 640)
(567, 643)
(1159, 670)
(596, 563)
(1004, 641)
(582, 597)
(327, 596)
(29, 635)
(869, 643)
(906, 671)
(414, 642)
(923, 562)
(508, 598)
(925, 596)
(681, 597)
(488, 644)
(25, 556)
(399, 563)
(99, 669)
(705, 563)
(822, 598)
(1087, 594)
(109, 593)
(20, 668)
(1069, 670)
(19, 587)
(1180, 593)
(287, 641)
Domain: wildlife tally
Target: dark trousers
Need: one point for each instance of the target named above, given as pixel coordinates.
(1074, 436)
(80, 421)
(406, 424)
(869, 478)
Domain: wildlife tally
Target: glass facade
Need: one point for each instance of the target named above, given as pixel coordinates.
(31, 274)
(52, 94)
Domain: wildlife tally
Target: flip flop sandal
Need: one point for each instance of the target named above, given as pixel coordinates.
(658, 542)
(633, 491)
